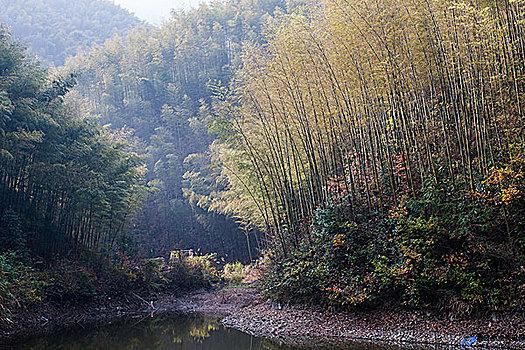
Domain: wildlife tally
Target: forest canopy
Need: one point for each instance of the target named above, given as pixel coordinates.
(56, 29)
(67, 182)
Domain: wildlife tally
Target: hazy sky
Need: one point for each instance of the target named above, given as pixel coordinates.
(154, 11)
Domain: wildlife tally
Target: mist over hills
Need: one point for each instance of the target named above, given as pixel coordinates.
(56, 29)
(155, 11)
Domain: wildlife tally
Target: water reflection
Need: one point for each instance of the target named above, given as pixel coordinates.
(173, 333)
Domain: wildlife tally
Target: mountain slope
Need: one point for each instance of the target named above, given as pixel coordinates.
(55, 29)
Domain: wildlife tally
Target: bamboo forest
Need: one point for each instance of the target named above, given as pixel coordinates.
(262, 174)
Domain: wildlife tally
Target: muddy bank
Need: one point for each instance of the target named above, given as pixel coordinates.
(48, 318)
(245, 310)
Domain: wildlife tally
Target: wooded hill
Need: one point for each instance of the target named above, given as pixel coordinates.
(159, 84)
(56, 29)
(380, 144)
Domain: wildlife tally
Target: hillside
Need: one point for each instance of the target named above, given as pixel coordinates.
(56, 29)
(160, 83)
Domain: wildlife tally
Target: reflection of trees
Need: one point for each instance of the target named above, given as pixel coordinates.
(177, 333)
(203, 329)
(169, 332)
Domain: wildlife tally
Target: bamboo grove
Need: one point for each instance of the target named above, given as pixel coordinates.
(69, 182)
(366, 101)
(155, 82)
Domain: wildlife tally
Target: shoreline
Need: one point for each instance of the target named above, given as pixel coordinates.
(245, 310)
(310, 326)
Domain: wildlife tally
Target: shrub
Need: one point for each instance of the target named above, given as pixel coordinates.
(154, 274)
(205, 266)
(20, 285)
(193, 272)
(234, 273)
(457, 249)
(298, 279)
(71, 282)
(445, 248)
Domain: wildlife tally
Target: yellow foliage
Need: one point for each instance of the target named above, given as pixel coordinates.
(339, 240)
(378, 94)
(510, 194)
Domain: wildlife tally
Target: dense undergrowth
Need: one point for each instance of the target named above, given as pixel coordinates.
(28, 280)
(446, 249)
(96, 280)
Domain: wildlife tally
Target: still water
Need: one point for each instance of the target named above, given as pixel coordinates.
(159, 333)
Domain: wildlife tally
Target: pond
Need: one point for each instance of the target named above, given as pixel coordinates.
(158, 333)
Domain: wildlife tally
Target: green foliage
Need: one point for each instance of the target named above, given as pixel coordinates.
(57, 29)
(20, 285)
(12, 237)
(344, 264)
(456, 251)
(298, 279)
(184, 274)
(95, 278)
(153, 274)
(75, 285)
(68, 185)
(65, 180)
(203, 266)
(441, 249)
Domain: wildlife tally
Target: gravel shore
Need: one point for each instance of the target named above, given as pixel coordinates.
(247, 311)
